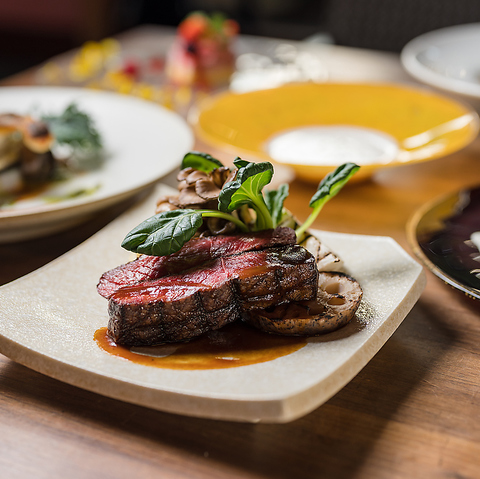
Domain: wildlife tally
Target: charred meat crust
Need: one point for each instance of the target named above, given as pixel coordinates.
(179, 307)
(163, 321)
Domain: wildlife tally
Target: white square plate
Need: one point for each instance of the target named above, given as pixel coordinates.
(48, 319)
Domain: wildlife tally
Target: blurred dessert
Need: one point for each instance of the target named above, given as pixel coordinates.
(201, 55)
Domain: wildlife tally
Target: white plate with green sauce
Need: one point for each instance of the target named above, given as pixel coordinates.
(142, 142)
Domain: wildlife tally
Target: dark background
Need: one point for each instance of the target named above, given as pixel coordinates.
(32, 31)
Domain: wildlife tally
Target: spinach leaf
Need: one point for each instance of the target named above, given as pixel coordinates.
(164, 233)
(326, 190)
(200, 161)
(333, 183)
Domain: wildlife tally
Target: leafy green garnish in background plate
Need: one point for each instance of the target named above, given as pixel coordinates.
(74, 128)
(166, 232)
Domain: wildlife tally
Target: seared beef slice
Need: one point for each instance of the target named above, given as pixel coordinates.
(196, 252)
(179, 307)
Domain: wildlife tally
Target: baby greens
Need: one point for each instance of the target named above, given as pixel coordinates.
(75, 128)
(200, 161)
(246, 189)
(167, 232)
(326, 190)
(274, 200)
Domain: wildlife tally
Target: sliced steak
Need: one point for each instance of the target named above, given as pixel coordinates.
(194, 253)
(179, 307)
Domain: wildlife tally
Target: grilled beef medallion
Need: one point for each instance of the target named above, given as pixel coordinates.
(207, 297)
(194, 253)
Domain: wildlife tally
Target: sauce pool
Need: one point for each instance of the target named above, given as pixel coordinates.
(232, 346)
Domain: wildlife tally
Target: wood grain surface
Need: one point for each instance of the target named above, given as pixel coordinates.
(412, 412)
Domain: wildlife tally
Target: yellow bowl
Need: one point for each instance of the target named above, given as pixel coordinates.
(423, 125)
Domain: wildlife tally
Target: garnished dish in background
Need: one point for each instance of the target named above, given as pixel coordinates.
(223, 250)
(140, 143)
(36, 150)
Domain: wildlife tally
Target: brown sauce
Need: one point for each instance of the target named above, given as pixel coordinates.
(230, 347)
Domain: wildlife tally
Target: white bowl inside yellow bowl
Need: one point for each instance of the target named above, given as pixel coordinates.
(314, 127)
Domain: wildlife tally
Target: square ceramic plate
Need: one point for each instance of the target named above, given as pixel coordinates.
(48, 319)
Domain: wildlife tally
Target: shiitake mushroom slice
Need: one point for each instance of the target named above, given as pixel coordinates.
(338, 298)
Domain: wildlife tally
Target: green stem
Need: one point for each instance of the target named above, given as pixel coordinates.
(264, 218)
(226, 216)
(300, 231)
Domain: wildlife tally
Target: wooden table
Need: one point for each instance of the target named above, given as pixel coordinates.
(412, 412)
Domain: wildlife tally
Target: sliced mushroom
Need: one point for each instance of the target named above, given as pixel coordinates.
(198, 189)
(207, 189)
(338, 298)
(188, 198)
(326, 259)
(194, 176)
(222, 175)
(182, 174)
(164, 204)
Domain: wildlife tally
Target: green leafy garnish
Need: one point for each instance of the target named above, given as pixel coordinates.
(200, 161)
(246, 189)
(165, 233)
(239, 163)
(274, 200)
(74, 128)
(326, 190)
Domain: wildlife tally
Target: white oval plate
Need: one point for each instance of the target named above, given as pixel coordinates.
(143, 142)
(447, 59)
(48, 319)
